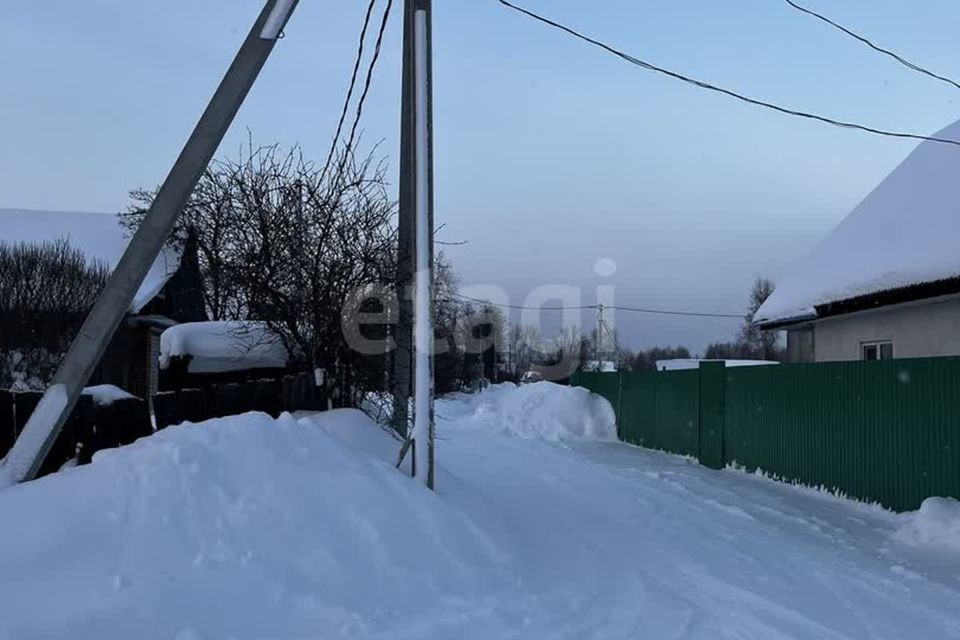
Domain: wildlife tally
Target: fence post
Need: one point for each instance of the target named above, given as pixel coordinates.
(712, 414)
(619, 412)
(8, 428)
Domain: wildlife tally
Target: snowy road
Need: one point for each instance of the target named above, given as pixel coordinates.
(641, 544)
(252, 528)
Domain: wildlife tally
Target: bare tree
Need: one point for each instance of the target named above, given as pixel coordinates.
(646, 360)
(283, 242)
(480, 334)
(759, 344)
(208, 218)
(752, 343)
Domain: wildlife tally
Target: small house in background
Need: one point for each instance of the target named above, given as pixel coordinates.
(886, 282)
(171, 293)
(679, 364)
(197, 354)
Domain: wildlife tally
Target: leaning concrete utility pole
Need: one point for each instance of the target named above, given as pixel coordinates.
(416, 212)
(44, 425)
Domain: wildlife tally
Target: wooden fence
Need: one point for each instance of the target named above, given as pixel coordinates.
(93, 427)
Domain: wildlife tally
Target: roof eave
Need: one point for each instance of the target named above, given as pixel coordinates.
(782, 323)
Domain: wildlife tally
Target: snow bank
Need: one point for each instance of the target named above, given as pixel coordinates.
(542, 410)
(106, 394)
(251, 528)
(903, 233)
(99, 235)
(242, 527)
(218, 347)
(936, 524)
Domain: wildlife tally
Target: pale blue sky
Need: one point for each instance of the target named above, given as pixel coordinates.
(549, 154)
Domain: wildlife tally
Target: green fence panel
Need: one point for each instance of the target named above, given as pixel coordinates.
(677, 427)
(712, 415)
(637, 424)
(654, 410)
(886, 431)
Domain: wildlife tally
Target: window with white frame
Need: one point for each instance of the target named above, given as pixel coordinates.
(880, 350)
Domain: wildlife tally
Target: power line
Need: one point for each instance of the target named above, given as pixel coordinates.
(667, 312)
(727, 92)
(366, 85)
(350, 88)
(521, 307)
(887, 52)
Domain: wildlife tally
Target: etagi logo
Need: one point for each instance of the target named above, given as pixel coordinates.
(548, 319)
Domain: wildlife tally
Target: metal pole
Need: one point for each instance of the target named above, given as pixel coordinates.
(598, 347)
(423, 428)
(44, 425)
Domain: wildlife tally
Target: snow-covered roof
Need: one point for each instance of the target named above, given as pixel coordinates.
(99, 235)
(904, 233)
(222, 346)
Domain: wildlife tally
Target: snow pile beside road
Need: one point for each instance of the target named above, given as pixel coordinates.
(241, 527)
(543, 411)
(250, 528)
(936, 524)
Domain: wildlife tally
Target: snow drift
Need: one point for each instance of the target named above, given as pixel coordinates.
(272, 527)
(936, 525)
(252, 528)
(543, 410)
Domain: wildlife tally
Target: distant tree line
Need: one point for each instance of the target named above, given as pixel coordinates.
(750, 344)
(46, 290)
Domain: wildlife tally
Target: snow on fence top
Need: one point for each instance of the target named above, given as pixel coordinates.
(100, 236)
(218, 347)
(107, 394)
(678, 364)
(904, 233)
(537, 411)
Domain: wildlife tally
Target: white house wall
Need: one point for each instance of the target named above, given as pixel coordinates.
(918, 330)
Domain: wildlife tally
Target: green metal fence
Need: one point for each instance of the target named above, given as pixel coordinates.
(886, 431)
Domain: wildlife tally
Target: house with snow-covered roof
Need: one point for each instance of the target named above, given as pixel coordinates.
(171, 293)
(885, 283)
